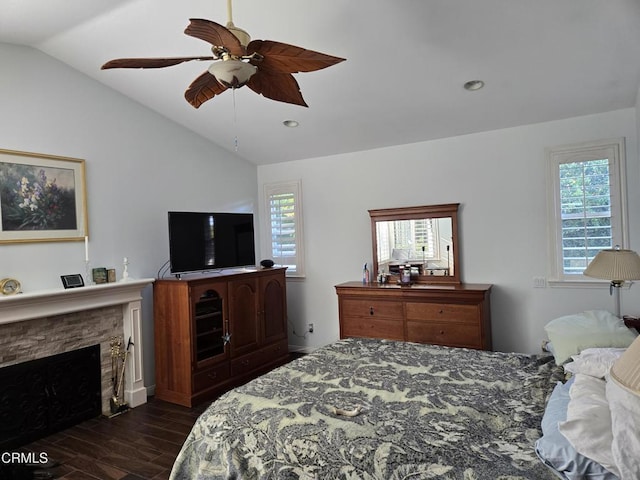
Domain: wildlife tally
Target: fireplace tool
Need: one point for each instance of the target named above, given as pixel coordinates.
(116, 405)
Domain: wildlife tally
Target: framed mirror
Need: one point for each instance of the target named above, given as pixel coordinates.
(422, 240)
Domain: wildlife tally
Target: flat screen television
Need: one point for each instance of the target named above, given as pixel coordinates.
(200, 241)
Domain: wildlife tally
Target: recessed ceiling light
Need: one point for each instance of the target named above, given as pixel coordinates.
(473, 85)
(290, 123)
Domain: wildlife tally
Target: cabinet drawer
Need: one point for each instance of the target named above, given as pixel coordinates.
(246, 363)
(452, 334)
(275, 351)
(459, 313)
(372, 308)
(210, 377)
(372, 327)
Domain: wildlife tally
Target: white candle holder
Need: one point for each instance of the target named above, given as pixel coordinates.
(125, 271)
(88, 273)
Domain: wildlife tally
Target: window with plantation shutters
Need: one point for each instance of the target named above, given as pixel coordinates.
(284, 226)
(587, 212)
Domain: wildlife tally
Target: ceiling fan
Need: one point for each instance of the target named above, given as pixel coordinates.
(265, 66)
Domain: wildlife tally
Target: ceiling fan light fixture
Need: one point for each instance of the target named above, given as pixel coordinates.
(232, 73)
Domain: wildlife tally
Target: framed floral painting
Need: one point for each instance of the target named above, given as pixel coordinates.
(42, 198)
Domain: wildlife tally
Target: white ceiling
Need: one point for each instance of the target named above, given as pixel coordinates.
(402, 82)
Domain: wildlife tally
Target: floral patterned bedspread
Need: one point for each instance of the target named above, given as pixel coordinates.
(425, 412)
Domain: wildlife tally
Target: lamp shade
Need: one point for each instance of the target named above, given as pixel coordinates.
(615, 265)
(626, 370)
(232, 73)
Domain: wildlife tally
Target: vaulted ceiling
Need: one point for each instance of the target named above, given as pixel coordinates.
(407, 61)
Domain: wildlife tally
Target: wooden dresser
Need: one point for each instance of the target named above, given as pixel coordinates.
(452, 315)
(215, 332)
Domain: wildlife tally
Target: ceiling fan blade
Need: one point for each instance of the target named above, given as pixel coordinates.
(287, 58)
(149, 62)
(203, 88)
(278, 86)
(215, 34)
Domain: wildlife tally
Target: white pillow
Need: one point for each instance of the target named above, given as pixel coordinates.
(625, 423)
(588, 424)
(594, 328)
(595, 362)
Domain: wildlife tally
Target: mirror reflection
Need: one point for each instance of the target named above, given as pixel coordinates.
(416, 244)
(425, 244)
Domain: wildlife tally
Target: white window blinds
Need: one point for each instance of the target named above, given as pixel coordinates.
(586, 212)
(284, 212)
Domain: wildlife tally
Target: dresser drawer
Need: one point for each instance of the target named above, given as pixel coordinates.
(210, 377)
(372, 308)
(452, 312)
(451, 334)
(372, 327)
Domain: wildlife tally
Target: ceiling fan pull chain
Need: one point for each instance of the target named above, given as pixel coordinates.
(235, 120)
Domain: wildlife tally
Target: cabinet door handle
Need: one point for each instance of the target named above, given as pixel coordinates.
(370, 310)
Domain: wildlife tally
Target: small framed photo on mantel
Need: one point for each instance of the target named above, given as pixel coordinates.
(99, 275)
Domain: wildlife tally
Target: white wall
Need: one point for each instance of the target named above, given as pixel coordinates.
(498, 178)
(139, 165)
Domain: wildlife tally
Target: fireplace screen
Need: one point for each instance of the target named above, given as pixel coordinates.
(43, 396)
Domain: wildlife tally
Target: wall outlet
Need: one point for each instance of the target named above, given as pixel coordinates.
(539, 282)
(310, 328)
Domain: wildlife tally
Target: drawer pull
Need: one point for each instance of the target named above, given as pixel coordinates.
(213, 375)
(370, 310)
(441, 312)
(441, 332)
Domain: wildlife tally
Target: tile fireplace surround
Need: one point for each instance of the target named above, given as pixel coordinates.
(38, 324)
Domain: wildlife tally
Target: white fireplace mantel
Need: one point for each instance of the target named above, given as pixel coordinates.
(49, 303)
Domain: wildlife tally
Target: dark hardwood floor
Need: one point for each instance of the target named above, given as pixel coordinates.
(141, 443)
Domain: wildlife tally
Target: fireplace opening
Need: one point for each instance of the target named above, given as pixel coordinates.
(44, 396)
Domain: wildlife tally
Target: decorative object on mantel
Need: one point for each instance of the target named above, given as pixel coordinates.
(72, 281)
(265, 66)
(617, 265)
(88, 273)
(125, 271)
(10, 286)
(99, 275)
(42, 198)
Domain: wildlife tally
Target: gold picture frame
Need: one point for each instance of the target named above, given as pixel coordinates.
(43, 198)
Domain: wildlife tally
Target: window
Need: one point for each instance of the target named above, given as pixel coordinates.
(588, 208)
(283, 207)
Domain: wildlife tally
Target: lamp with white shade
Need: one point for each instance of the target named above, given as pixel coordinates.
(617, 265)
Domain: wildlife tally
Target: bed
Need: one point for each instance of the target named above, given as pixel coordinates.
(379, 409)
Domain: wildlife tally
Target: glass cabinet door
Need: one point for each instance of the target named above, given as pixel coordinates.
(209, 326)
